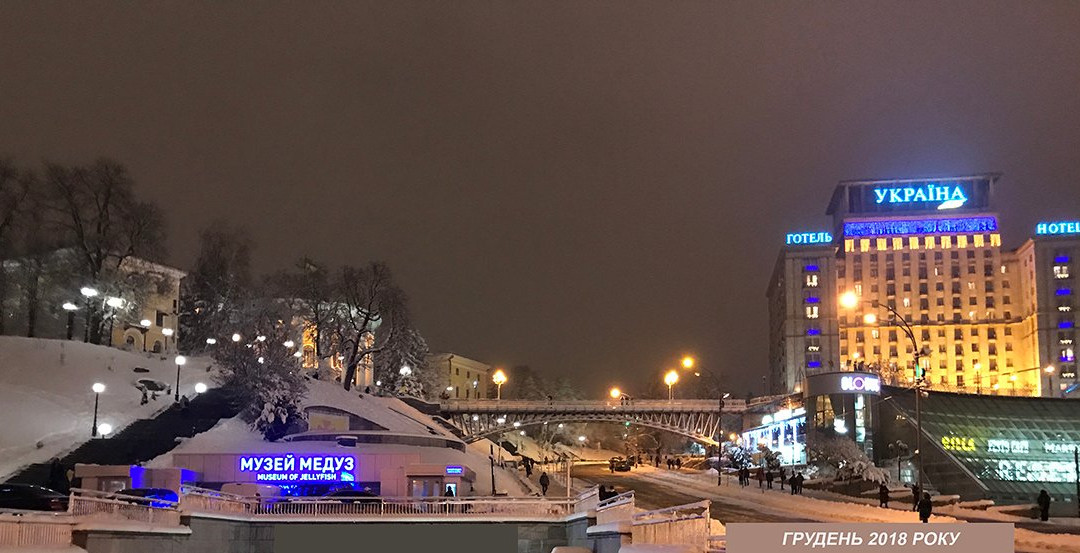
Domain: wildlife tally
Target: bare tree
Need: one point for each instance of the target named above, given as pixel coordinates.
(364, 296)
(96, 210)
(219, 286)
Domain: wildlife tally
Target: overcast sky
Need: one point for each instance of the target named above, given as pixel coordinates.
(587, 188)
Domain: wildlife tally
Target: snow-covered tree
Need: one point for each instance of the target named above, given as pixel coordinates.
(218, 287)
(264, 376)
(399, 346)
(845, 460)
(738, 456)
(771, 459)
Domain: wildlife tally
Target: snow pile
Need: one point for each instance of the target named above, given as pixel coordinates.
(45, 386)
(390, 413)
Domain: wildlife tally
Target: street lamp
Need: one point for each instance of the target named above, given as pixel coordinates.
(289, 343)
(850, 300)
(180, 360)
(405, 370)
(615, 393)
(211, 341)
(104, 429)
(688, 362)
(87, 293)
(1049, 380)
(670, 379)
(200, 388)
(70, 308)
(97, 388)
(235, 337)
(499, 378)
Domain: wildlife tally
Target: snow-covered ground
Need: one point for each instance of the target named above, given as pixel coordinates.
(46, 397)
(829, 507)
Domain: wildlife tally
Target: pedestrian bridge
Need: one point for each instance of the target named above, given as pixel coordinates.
(698, 419)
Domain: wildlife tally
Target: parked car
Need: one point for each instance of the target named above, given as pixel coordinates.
(348, 495)
(620, 464)
(154, 497)
(31, 497)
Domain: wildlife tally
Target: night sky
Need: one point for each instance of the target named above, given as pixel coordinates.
(591, 189)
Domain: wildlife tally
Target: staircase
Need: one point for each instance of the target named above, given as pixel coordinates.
(143, 439)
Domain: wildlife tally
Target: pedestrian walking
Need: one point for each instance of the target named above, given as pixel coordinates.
(798, 483)
(926, 507)
(792, 484)
(782, 478)
(916, 493)
(745, 476)
(1044, 505)
(760, 478)
(768, 479)
(883, 496)
(678, 462)
(544, 483)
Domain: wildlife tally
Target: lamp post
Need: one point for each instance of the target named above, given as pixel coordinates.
(850, 300)
(670, 379)
(167, 332)
(87, 293)
(180, 360)
(97, 388)
(70, 308)
(499, 378)
(689, 362)
(1049, 370)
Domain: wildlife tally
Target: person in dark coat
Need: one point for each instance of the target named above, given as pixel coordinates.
(926, 507)
(883, 496)
(915, 495)
(544, 483)
(798, 483)
(678, 462)
(782, 478)
(768, 479)
(793, 483)
(1044, 505)
(760, 477)
(449, 492)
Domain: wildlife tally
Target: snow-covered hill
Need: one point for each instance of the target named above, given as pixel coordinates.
(46, 400)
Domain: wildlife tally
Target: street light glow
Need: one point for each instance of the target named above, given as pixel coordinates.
(1049, 369)
(200, 388)
(870, 318)
(688, 362)
(88, 291)
(236, 337)
(289, 343)
(615, 393)
(180, 359)
(144, 322)
(115, 303)
(167, 331)
(405, 370)
(211, 341)
(581, 439)
(104, 429)
(499, 378)
(671, 378)
(261, 338)
(68, 306)
(848, 300)
(98, 387)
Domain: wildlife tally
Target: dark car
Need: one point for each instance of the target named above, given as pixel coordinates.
(31, 497)
(621, 465)
(164, 497)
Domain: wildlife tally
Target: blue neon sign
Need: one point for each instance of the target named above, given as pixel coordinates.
(945, 195)
(1058, 227)
(454, 469)
(921, 226)
(299, 468)
(804, 238)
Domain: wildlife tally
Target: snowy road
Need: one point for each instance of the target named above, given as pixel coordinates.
(650, 494)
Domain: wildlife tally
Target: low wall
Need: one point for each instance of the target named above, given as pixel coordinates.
(233, 535)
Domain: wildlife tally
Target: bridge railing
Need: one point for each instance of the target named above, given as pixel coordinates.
(98, 505)
(683, 524)
(31, 530)
(615, 509)
(495, 405)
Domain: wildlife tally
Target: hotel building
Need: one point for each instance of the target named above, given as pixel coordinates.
(986, 319)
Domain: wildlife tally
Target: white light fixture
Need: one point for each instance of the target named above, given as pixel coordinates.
(145, 322)
(200, 388)
(68, 306)
(581, 439)
(115, 303)
(167, 331)
(501, 420)
(449, 388)
(104, 429)
(378, 382)
(88, 291)
(522, 432)
(236, 337)
(211, 341)
(261, 360)
(476, 417)
(98, 387)
(405, 370)
(560, 425)
(289, 343)
(517, 424)
(180, 359)
(298, 354)
(261, 338)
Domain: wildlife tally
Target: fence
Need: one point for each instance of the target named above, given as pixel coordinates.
(616, 509)
(202, 500)
(22, 530)
(96, 505)
(683, 524)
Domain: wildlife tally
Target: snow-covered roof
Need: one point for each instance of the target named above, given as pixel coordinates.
(390, 413)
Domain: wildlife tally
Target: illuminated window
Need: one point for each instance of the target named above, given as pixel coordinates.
(1061, 271)
(811, 281)
(961, 241)
(913, 242)
(977, 240)
(995, 239)
(849, 245)
(928, 242)
(898, 243)
(811, 311)
(864, 245)
(946, 242)
(882, 244)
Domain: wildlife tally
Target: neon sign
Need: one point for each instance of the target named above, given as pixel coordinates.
(1007, 446)
(950, 196)
(956, 443)
(921, 226)
(1059, 448)
(454, 470)
(299, 468)
(861, 383)
(1058, 227)
(803, 238)
(1035, 471)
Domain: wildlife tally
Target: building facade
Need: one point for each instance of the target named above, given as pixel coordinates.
(985, 319)
(460, 377)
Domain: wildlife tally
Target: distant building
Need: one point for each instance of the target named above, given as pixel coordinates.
(992, 320)
(44, 298)
(459, 377)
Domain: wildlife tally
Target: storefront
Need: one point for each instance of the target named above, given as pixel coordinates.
(783, 432)
(839, 404)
